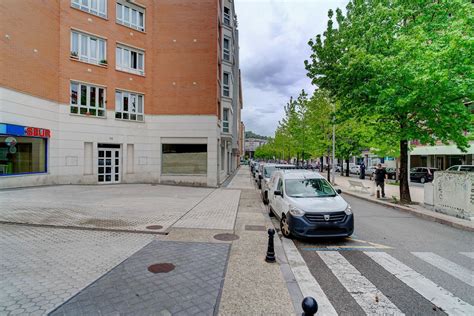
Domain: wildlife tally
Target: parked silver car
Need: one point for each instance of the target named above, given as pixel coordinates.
(308, 206)
(469, 168)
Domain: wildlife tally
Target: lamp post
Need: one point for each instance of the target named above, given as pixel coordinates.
(333, 178)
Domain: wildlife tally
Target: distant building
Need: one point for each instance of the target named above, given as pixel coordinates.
(440, 156)
(251, 144)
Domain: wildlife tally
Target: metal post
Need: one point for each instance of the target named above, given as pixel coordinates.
(333, 178)
(271, 250)
(310, 306)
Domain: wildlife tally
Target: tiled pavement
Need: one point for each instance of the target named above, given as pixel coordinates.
(41, 267)
(123, 207)
(192, 288)
(217, 211)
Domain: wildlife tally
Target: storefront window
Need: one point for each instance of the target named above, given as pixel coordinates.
(185, 159)
(20, 155)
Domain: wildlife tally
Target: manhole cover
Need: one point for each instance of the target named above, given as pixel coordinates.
(255, 227)
(161, 268)
(226, 237)
(154, 227)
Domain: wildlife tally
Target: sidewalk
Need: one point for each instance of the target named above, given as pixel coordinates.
(207, 256)
(417, 195)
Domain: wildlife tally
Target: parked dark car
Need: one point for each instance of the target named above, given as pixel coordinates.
(391, 173)
(422, 174)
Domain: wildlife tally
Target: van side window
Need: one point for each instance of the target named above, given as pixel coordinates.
(280, 185)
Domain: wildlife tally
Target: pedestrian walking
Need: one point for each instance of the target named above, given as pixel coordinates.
(380, 176)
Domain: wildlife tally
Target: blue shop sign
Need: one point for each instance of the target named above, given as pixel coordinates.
(18, 130)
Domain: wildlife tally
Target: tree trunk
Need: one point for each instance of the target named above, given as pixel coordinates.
(329, 165)
(347, 167)
(404, 187)
(397, 171)
(342, 166)
(321, 164)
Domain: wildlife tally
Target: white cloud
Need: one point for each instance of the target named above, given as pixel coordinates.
(273, 38)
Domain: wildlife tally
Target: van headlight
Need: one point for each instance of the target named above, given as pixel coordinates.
(296, 212)
(348, 210)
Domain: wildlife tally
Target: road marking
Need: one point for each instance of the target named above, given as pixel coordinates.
(379, 246)
(307, 283)
(468, 254)
(425, 287)
(370, 299)
(341, 248)
(451, 268)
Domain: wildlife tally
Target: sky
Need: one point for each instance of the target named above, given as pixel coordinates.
(273, 44)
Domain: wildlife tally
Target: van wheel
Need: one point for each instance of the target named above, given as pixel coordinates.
(422, 180)
(285, 228)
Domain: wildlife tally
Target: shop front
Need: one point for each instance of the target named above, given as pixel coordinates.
(23, 149)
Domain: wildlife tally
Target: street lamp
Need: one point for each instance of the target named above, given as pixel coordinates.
(333, 178)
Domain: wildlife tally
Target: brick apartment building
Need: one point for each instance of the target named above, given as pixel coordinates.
(119, 91)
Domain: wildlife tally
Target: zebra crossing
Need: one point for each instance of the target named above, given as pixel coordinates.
(374, 301)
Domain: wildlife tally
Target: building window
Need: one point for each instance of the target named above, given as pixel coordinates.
(131, 15)
(225, 121)
(97, 7)
(87, 99)
(88, 48)
(226, 50)
(226, 84)
(184, 159)
(226, 16)
(130, 60)
(22, 155)
(129, 106)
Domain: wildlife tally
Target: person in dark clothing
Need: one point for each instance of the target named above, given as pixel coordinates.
(362, 171)
(380, 176)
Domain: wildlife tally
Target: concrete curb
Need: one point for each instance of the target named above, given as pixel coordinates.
(429, 215)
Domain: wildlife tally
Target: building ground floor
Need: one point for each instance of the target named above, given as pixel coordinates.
(41, 143)
(441, 156)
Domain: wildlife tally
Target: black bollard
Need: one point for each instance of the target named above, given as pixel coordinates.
(271, 250)
(310, 306)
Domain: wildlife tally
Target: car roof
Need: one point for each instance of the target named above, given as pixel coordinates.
(300, 174)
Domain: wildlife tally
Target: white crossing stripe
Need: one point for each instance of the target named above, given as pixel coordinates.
(425, 287)
(457, 271)
(370, 299)
(306, 282)
(468, 254)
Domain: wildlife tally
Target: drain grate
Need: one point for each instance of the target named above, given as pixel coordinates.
(226, 237)
(154, 227)
(161, 268)
(255, 227)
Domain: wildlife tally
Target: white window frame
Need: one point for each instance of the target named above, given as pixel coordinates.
(127, 19)
(226, 87)
(129, 114)
(226, 51)
(97, 109)
(225, 122)
(86, 55)
(123, 59)
(226, 17)
(91, 6)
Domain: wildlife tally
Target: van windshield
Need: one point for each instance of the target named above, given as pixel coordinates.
(308, 188)
(267, 172)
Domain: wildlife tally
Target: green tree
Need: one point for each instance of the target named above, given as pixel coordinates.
(409, 63)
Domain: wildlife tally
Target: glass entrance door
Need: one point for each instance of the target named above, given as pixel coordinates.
(108, 165)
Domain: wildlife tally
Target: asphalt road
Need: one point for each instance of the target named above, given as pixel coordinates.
(431, 265)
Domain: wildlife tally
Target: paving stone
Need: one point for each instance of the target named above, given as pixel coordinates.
(125, 206)
(38, 265)
(202, 261)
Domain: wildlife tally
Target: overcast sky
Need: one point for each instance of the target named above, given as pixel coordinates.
(273, 46)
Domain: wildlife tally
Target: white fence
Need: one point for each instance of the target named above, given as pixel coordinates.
(452, 193)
